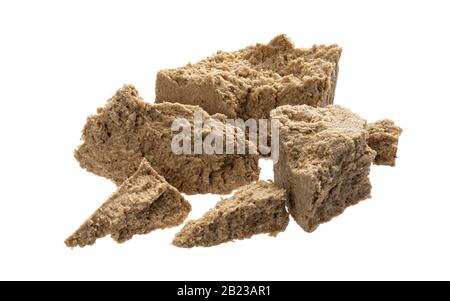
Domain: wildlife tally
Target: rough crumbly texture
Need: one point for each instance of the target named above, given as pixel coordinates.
(143, 203)
(248, 83)
(324, 161)
(127, 129)
(383, 138)
(254, 209)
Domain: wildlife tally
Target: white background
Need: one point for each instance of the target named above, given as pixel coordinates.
(59, 60)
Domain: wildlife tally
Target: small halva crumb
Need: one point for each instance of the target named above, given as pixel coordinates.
(143, 203)
(383, 138)
(255, 208)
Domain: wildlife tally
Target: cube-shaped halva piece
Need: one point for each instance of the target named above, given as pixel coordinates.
(324, 161)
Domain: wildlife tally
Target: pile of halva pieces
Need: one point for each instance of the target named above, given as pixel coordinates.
(325, 150)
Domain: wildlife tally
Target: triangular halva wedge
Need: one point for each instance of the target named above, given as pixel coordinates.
(253, 209)
(143, 203)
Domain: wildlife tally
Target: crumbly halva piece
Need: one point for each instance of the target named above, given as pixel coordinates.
(127, 129)
(324, 161)
(250, 82)
(255, 208)
(143, 203)
(383, 138)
